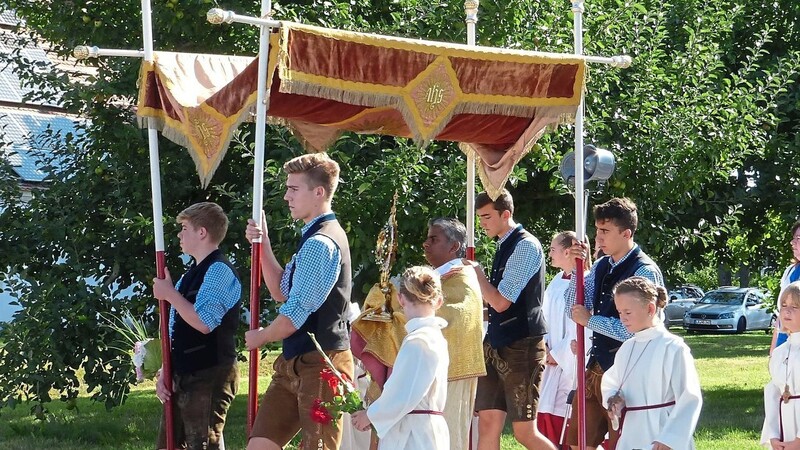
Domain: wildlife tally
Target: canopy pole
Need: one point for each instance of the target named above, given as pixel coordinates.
(86, 51)
(580, 230)
(158, 229)
(217, 16)
(258, 206)
(471, 13)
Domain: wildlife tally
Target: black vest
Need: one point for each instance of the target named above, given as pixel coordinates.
(191, 349)
(329, 322)
(603, 347)
(524, 317)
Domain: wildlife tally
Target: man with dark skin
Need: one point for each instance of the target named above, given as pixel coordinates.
(444, 247)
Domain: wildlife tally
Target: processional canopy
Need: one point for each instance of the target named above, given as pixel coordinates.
(323, 82)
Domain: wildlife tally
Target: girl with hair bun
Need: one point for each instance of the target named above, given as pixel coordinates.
(652, 391)
(558, 378)
(408, 414)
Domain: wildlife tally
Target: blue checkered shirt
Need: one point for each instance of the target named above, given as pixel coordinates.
(609, 326)
(316, 268)
(524, 262)
(217, 295)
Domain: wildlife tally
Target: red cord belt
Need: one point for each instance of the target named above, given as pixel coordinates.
(626, 410)
(426, 411)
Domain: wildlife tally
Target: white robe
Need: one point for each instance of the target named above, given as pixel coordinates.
(558, 380)
(664, 372)
(788, 353)
(418, 382)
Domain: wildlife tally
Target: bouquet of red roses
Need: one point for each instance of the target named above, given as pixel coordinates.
(346, 398)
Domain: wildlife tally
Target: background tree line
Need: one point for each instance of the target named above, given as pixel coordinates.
(703, 125)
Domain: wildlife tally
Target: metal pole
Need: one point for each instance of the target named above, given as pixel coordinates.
(258, 205)
(218, 16)
(580, 230)
(471, 13)
(158, 229)
(86, 51)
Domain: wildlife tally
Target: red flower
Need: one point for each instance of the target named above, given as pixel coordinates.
(331, 379)
(320, 414)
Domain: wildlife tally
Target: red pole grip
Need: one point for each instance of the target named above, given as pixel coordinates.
(255, 314)
(581, 359)
(166, 359)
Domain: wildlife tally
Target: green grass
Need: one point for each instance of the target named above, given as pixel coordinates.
(733, 371)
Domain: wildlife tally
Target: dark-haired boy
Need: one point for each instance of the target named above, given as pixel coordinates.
(514, 348)
(615, 222)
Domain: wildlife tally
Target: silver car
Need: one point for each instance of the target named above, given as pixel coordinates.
(730, 309)
(680, 300)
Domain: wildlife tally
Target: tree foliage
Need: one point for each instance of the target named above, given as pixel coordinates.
(704, 127)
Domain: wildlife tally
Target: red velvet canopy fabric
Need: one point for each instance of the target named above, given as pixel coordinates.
(324, 82)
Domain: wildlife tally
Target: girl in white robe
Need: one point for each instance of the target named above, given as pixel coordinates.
(408, 414)
(782, 393)
(560, 368)
(652, 389)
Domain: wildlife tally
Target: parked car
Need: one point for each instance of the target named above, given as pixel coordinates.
(730, 309)
(680, 300)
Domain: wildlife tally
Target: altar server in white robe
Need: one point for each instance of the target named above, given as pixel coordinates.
(652, 389)
(408, 414)
(782, 394)
(560, 369)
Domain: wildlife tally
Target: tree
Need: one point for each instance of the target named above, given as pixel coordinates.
(697, 125)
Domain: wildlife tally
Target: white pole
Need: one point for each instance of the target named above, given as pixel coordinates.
(158, 229)
(152, 136)
(580, 230)
(258, 205)
(619, 61)
(261, 115)
(580, 225)
(218, 16)
(471, 12)
(86, 51)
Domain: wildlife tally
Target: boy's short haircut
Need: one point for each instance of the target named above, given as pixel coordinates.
(621, 211)
(319, 168)
(208, 215)
(504, 201)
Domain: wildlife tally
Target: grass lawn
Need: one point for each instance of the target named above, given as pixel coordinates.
(733, 371)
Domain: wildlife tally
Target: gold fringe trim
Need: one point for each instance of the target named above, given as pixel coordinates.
(291, 77)
(369, 99)
(513, 110)
(175, 132)
(492, 190)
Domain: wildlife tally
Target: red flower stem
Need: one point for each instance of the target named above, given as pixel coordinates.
(348, 387)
